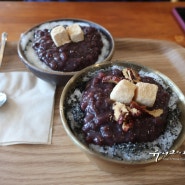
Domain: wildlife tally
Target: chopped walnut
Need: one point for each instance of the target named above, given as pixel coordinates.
(120, 109)
(126, 126)
(135, 112)
(123, 114)
(122, 118)
(131, 75)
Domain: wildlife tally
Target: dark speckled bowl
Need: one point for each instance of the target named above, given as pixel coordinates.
(111, 164)
(56, 77)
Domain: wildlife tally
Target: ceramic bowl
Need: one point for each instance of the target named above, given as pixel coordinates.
(112, 163)
(42, 71)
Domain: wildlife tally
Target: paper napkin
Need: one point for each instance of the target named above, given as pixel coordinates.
(27, 116)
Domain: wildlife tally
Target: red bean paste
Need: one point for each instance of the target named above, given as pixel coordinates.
(100, 128)
(71, 56)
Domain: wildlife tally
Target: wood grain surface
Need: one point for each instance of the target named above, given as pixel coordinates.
(139, 26)
(123, 19)
(63, 163)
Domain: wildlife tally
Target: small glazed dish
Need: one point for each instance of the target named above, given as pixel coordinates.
(47, 61)
(128, 156)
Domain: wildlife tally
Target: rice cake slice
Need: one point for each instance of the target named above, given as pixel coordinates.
(123, 92)
(75, 33)
(146, 93)
(60, 36)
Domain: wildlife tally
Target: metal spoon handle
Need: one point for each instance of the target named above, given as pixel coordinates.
(3, 98)
(3, 43)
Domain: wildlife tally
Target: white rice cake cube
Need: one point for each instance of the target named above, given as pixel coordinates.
(146, 93)
(60, 36)
(75, 32)
(123, 92)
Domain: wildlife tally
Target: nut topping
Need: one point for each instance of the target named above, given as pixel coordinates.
(131, 75)
(135, 112)
(127, 126)
(120, 109)
(123, 114)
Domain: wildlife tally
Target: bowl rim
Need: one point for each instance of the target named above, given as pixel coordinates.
(27, 63)
(178, 141)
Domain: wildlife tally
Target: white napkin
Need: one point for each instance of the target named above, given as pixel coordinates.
(27, 116)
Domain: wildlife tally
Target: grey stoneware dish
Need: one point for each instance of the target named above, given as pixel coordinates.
(43, 72)
(112, 163)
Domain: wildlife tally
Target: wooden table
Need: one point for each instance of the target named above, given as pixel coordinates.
(61, 162)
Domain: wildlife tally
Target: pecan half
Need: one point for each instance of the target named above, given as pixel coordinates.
(131, 75)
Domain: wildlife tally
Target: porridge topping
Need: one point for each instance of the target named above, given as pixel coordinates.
(146, 93)
(129, 91)
(59, 36)
(75, 33)
(115, 111)
(123, 92)
(131, 75)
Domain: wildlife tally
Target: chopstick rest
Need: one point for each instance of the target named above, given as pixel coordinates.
(27, 117)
